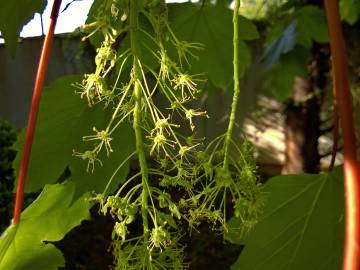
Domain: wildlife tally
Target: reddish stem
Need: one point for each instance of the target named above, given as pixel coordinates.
(351, 260)
(336, 134)
(38, 86)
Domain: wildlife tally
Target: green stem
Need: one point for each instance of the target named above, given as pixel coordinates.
(236, 84)
(134, 12)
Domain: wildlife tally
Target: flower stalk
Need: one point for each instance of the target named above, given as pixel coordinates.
(137, 116)
(236, 84)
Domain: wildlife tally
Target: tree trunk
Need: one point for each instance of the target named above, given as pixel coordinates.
(302, 116)
(302, 130)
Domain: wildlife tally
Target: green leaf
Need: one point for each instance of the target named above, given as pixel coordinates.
(54, 213)
(211, 25)
(100, 12)
(311, 26)
(280, 79)
(59, 113)
(15, 14)
(301, 227)
(146, 45)
(123, 144)
(289, 53)
(282, 45)
(64, 118)
(350, 10)
(223, 2)
(97, 37)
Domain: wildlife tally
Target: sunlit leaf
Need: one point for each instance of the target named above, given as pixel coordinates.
(211, 25)
(64, 118)
(27, 246)
(301, 227)
(15, 14)
(350, 10)
(311, 25)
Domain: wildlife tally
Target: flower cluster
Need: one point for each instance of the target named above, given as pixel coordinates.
(220, 182)
(129, 88)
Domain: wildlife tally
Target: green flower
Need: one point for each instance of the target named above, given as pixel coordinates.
(90, 156)
(104, 139)
(159, 238)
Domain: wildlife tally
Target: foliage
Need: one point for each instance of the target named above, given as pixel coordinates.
(140, 104)
(216, 35)
(287, 56)
(260, 9)
(47, 219)
(302, 225)
(349, 10)
(60, 129)
(11, 25)
(281, 80)
(282, 45)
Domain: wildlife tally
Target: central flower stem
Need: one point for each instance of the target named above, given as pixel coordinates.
(134, 13)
